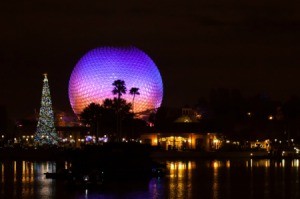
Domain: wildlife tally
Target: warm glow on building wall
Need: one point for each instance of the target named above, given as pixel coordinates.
(263, 144)
(183, 141)
(92, 78)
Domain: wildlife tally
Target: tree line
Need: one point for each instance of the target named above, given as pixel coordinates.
(114, 117)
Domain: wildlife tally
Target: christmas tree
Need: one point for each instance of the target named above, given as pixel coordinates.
(46, 133)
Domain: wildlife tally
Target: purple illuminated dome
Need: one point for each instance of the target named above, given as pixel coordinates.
(92, 78)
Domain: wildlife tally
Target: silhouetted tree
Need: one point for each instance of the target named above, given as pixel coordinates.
(134, 91)
(104, 117)
(107, 103)
(91, 116)
(119, 88)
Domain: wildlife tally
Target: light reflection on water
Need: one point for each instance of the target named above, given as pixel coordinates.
(23, 179)
(180, 183)
(185, 179)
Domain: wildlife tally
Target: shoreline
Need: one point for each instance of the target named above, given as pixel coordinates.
(69, 154)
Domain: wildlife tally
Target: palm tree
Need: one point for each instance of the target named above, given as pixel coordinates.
(119, 88)
(134, 91)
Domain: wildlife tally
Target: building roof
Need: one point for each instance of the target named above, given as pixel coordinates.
(199, 127)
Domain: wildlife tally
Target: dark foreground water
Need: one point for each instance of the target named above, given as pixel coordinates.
(185, 179)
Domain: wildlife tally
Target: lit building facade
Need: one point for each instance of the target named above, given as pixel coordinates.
(181, 141)
(261, 144)
(187, 132)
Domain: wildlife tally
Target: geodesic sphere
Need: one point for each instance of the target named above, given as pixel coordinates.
(92, 78)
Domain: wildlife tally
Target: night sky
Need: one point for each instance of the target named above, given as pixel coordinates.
(251, 45)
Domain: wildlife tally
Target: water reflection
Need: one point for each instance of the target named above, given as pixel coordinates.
(26, 179)
(272, 163)
(185, 179)
(215, 184)
(180, 184)
(234, 178)
(295, 163)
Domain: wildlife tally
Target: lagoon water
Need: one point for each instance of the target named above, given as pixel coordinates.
(185, 179)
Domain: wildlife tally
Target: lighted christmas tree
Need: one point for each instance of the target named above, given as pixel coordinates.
(45, 132)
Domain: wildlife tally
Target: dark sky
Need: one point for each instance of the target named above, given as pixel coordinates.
(251, 45)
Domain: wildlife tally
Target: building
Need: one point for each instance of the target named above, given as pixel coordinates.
(187, 132)
(261, 144)
(181, 141)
